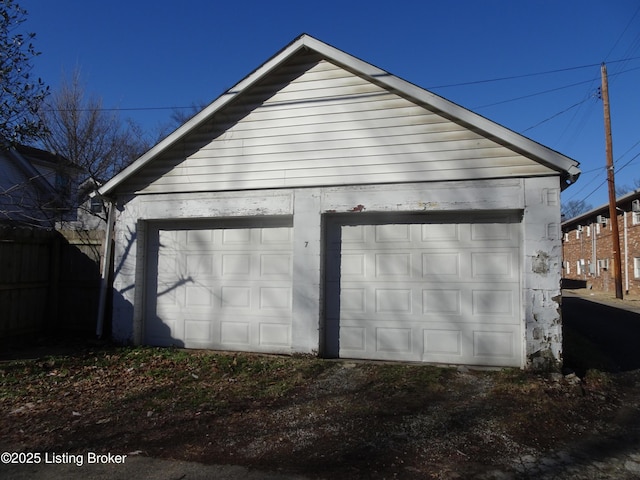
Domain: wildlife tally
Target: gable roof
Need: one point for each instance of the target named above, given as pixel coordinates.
(28, 185)
(567, 167)
(23, 158)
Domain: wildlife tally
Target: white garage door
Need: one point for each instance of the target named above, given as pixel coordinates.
(445, 292)
(226, 287)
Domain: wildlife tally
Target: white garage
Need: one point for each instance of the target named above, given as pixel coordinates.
(441, 290)
(324, 206)
(225, 286)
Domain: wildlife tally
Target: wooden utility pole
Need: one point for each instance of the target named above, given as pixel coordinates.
(613, 214)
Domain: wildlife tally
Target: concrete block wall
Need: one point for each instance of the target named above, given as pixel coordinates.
(542, 267)
(536, 198)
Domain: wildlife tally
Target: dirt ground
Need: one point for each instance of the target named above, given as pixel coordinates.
(320, 418)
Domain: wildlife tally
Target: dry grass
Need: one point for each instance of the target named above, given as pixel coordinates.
(305, 415)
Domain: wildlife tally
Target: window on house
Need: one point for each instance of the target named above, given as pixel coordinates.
(636, 267)
(567, 267)
(96, 204)
(635, 218)
(62, 183)
(588, 231)
(579, 265)
(597, 229)
(566, 237)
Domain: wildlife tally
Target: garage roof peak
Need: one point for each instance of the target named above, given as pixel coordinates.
(567, 167)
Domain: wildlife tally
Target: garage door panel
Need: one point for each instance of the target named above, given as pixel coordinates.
(198, 238)
(353, 301)
(396, 234)
(393, 265)
(168, 265)
(169, 297)
(235, 333)
(275, 236)
(494, 344)
(393, 301)
(494, 265)
(220, 287)
(254, 333)
(447, 292)
(353, 341)
(441, 301)
(236, 237)
(197, 330)
(352, 234)
(439, 343)
(492, 231)
(431, 265)
(162, 331)
(275, 299)
(496, 302)
(235, 264)
(353, 266)
(441, 265)
(445, 233)
(276, 265)
(393, 340)
(275, 334)
(199, 296)
(200, 264)
(235, 297)
(458, 302)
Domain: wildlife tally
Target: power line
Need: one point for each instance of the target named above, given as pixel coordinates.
(114, 109)
(603, 168)
(554, 116)
(142, 109)
(549, 91)
(622, 34)
(514, 77)
(531, 95)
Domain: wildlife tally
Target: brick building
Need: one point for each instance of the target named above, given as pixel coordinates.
(588, 251)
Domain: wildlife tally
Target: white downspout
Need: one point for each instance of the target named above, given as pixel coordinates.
(106, 264)
(594, 250)
(626, 255)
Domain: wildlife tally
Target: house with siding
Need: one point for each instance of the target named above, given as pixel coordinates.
(588, 247)
(325, 206)
(36, 187)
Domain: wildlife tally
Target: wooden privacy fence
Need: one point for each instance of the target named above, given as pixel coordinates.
(49, 281)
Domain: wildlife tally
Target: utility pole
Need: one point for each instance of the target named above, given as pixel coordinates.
(613, 214)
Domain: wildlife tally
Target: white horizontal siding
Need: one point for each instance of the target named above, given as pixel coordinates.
(279, 179)
(318, 124)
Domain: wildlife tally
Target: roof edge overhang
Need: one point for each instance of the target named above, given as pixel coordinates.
(604, 208)
(567, 167)
(30, 171)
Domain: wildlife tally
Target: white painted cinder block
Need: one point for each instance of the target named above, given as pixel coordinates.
(305, 329)
(542, 272)
(535, 198)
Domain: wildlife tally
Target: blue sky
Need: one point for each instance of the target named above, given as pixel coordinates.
(147, 57)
